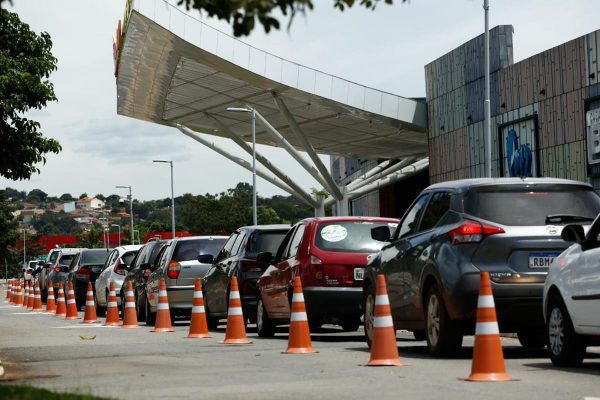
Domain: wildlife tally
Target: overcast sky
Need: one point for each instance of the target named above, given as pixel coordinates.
(385, 49)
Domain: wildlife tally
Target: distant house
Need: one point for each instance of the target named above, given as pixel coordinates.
(69, 207)
(88, 203)
(28, 215)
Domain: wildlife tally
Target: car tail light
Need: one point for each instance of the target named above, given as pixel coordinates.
(83, 272)
(56, 269)
(118, 269)
(173, 269)
(316, 267)
(472, 232)
(249, 266)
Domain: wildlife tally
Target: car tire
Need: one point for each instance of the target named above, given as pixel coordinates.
(211, 322)
(350, 324)
(44, 295)
(369, 313)
(444, 336)
(139, 308)
(420, 335)
(532, 338)
(101, 311)
(565, 347)
(150, 317)
(264, 325)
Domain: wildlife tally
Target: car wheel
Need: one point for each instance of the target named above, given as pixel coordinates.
(139, 308)
(101, 311)
(44, 295)
(444, 336)
(150, 317)
(369, 310)
(350, 324)
(264, 325)
(419, 335)
(532, 338)
(211, 322)
(565, 347)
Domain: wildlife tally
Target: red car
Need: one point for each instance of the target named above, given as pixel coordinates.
(329, 254)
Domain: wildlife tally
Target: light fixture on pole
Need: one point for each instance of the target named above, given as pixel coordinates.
(253, 113)
(130, 198)
(119, 226)
(170, 162)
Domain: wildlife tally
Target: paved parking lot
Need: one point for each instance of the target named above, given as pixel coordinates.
(49, 352)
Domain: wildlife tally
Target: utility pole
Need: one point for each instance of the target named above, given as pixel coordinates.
(487, 107)
(130, 198)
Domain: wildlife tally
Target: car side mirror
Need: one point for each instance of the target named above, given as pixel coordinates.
(381, 233)
(264, 257)
(573, 233)
(206, 259)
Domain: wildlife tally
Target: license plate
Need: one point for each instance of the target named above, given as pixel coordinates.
(541, 260)
(359, 274)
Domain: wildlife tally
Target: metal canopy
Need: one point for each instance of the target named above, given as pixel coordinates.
(174, 69)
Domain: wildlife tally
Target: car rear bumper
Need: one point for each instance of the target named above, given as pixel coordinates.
(516, 304)
(333, 302)
(180, 297)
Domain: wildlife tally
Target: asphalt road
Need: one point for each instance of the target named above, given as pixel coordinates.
(48, 352)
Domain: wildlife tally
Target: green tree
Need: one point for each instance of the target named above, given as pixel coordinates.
(242, 14)
(37, 196)
(90, 239)
(55, 224)
(9, 233)
(266, 215)
(14, 194)
(83, 195)
(26, 62)
(66, 197)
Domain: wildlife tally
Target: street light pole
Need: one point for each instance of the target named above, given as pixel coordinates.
(24, 249)
(252, 111)
(170, 162)
(487, 126)
(118, 226)
(130, 211)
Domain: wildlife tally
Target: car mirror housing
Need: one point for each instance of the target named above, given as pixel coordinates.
(264, 257)
(381, 233)
(573, 233)
(206, 259)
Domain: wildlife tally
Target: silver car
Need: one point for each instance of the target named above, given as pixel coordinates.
(178, 264)
(509, 227)
(114, 269)
(60, 269)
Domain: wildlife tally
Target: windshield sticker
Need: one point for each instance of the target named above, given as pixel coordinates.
(334, 233)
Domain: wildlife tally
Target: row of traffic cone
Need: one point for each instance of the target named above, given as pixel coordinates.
(487, 364)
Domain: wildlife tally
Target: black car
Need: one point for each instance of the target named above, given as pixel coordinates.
(85, 267)
(238, 257)
(137, 273)
(509, 227)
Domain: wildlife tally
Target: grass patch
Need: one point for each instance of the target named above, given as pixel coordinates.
(30, 393)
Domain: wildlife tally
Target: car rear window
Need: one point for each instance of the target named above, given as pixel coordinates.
(128, 257)
(188, 250)
(531, 206)
(66, 259)
(53, 256)
(93, 257)
(349, 236)
(266, 241)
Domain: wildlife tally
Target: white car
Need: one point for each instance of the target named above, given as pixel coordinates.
(114, 269)
(572, 297)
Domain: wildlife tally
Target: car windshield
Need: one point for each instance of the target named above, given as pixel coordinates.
(97, 257)
(188, 250)
(530, 207)
(66, 259)
(350, 236)
(266, 241)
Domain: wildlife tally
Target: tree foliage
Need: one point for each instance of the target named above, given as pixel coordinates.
(55, 224)
(242, 14)
(9, 233)
(26, 62)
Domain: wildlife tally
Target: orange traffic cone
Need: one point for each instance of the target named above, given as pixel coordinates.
(163, 317)
(13, 292)
(37, 298)
(71, 304)
(19, 295)
(61, 306)
(50, 303)
(488, 360)
(384, 350)
(235, 333)
(89, 317)
(299, 336)
(129, 311)
(8, 289)
(30, 296)
(25, 292)
(112, 312)
(198, 325)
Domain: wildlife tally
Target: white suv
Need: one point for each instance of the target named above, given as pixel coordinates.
(572, 297)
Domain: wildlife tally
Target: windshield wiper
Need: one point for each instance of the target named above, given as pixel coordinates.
(561, 218)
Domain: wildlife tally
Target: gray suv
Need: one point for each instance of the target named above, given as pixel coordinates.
(509, 227)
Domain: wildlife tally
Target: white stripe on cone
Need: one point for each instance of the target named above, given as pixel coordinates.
(71, 292)
(111, 293)
(486, 301)
(298, 316)
(383, 322)
(198, 295)
(89, 303)
(129, 304)
(162, 293)
(89, 293)
(129, 293)
(162, 306)
(234, 295)
(298, 297)
(198, 309)
(486, 328)
(112, 304)
(235, 311)
(70, 301)
(382, 300)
